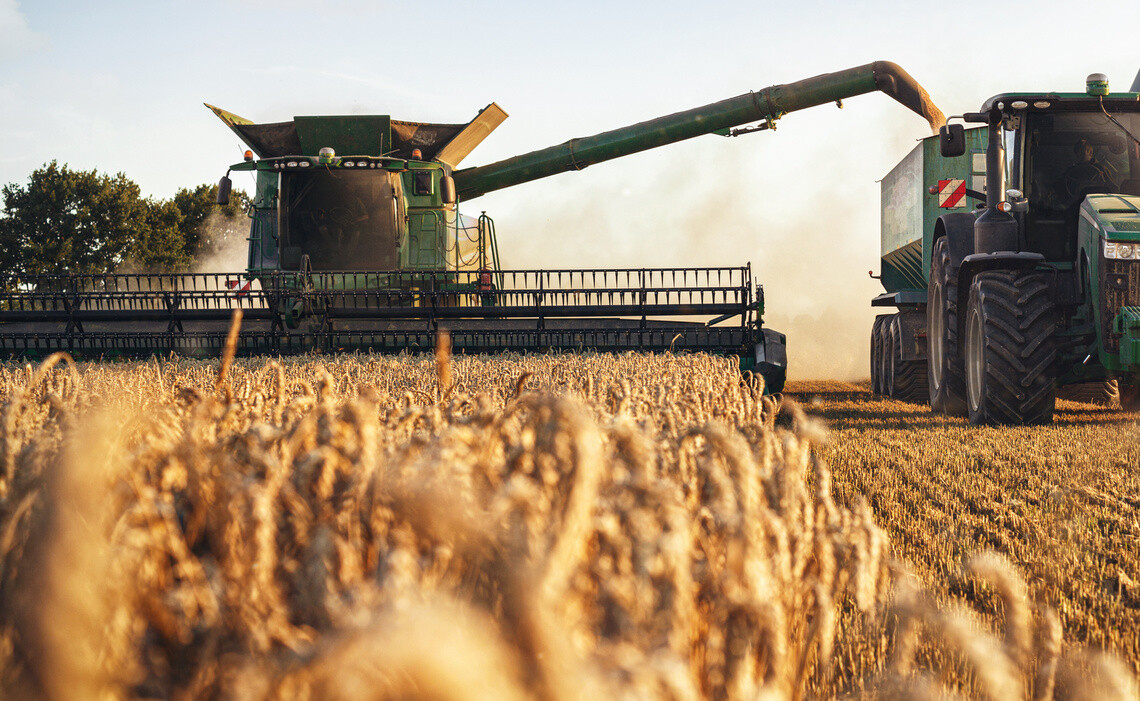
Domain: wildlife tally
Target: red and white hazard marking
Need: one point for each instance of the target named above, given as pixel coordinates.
(951, 194)
(240, 289)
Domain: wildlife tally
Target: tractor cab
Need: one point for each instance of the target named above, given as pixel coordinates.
(1059, 151)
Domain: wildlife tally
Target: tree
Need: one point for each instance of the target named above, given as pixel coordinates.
(67, 221)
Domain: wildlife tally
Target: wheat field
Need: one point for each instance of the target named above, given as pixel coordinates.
(547, 527)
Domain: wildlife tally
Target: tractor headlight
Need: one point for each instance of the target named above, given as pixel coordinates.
(1121, 251)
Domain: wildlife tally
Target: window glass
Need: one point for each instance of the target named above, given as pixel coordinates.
(1068, 156)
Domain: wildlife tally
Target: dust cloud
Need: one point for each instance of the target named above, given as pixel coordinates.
(223, 246)
(804, 211)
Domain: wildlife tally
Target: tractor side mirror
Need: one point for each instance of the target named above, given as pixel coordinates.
(447, 187)
(224, 187)
(952, 140)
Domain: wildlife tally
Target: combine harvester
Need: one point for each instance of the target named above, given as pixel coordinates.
(356, 243)
(1012, 253)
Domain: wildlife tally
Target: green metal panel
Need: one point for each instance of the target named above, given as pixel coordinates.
(909, 212)
(364, 135)
(424, 249)
(1127, 323)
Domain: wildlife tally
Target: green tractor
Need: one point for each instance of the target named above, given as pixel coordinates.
(1011, 252)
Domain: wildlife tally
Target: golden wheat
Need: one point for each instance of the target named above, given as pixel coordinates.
(555, 527)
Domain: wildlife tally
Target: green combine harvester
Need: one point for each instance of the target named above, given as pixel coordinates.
(1012, 254)
(357, 244)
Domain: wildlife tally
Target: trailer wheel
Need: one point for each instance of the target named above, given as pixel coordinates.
(946, 374)
(877, 353)
(908, 377)
(888, 364)
(1009, 349)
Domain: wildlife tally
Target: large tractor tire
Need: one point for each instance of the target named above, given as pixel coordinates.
(909, 377)
(1104, 393)
(946, 374)
(1009, 349)
(877, 345)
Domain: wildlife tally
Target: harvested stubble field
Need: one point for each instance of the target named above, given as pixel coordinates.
(554, 527)
(1062, 502)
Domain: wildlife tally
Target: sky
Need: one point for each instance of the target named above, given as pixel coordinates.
(119, 87)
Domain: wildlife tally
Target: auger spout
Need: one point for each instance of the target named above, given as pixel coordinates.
(767, 104)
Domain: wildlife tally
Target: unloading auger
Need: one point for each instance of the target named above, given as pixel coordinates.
(356, 243)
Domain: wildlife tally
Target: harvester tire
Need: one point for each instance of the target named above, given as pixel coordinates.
(1104, 393)
(1010, 352)
(877, 353)
(946, 374)
(909, 377)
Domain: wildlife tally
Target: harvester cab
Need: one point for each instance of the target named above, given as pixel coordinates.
(1030, 250)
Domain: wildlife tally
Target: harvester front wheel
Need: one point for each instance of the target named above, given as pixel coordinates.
(1009, 349)
(946, 375)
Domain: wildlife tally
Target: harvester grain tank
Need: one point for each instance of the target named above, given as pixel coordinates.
(1011, 252)
(356, 242)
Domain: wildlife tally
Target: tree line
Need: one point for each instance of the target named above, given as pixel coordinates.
(86, 222)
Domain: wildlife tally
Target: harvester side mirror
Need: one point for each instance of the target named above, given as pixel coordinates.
(447, 189)
(952, 140)
(224, 187)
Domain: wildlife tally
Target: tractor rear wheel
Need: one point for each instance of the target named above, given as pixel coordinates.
(1009, 349)
(946, 374)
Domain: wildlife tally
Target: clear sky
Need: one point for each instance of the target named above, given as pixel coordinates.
(119, 86)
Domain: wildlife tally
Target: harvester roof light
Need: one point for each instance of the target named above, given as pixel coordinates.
(1096, 84)
(292, 164)
(1042, 104)
(348, 164)
(326, 155)
(304, 164)
(248, 155)
(417, 154)
(1019, 104)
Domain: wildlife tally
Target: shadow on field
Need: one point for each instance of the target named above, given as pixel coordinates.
(851, 405)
